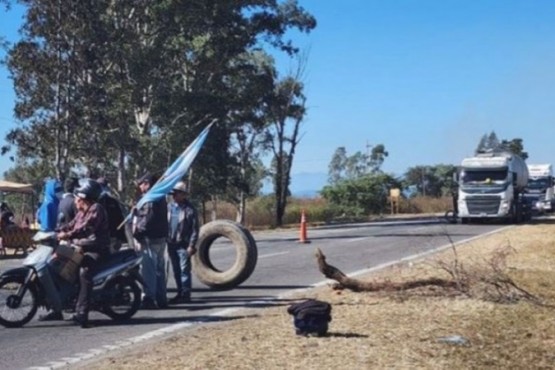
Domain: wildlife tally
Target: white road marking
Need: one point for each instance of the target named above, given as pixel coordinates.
(272, 255)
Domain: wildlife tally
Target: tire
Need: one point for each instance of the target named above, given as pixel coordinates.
(245, 259)
(14, 314)
(450, 217)
(124, 298)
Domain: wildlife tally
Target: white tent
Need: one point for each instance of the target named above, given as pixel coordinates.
(14, 187)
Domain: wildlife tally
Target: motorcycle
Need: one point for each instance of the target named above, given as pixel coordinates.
(116, 291)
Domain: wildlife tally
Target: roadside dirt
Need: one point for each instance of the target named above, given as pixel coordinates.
(424, 328)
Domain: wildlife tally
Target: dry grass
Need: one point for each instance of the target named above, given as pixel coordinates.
(399, 330)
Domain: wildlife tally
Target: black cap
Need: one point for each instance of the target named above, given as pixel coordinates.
(147, 177)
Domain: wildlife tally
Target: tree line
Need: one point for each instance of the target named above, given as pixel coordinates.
(115, 88)
(357, 185)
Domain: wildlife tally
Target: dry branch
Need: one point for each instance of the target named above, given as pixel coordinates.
(332, 272)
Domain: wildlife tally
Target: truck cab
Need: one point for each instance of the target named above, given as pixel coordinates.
(539, 190)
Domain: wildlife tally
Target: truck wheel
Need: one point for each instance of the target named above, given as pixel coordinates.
(245, 258)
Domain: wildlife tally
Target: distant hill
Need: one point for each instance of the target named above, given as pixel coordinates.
(303, 184)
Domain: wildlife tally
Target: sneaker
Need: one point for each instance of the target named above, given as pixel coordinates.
(82, 320)
(148, 304)
(52, 316)
(180, 298)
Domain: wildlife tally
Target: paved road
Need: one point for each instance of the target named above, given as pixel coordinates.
(283, 265)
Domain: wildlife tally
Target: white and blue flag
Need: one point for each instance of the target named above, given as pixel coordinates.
(173, 173)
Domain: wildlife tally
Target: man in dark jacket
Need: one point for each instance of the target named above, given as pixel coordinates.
(67, 209)
(89, 232)
(115, 213)
(182, 237)
(150, 228)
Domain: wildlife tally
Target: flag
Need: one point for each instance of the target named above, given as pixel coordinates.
(173, 173)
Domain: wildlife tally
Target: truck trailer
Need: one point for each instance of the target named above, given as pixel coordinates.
(491, 186)
(539, 190)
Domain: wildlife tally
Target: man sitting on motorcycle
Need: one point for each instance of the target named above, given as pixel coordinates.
(89, 233)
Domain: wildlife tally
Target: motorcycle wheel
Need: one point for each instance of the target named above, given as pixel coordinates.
(124, 298)
(15, 312)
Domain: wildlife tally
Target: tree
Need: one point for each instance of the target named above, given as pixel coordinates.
(361, 196)
(516, 147)
(285, 113)
(119, 87)
(433, 181)
(359, 164)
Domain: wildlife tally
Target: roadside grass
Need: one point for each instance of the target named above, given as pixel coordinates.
(424, 328)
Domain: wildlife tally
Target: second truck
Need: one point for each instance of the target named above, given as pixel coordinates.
(539, 191)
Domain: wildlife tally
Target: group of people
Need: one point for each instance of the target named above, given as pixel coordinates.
(85, 214)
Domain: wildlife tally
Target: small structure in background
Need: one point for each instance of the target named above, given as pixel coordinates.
(394, 196)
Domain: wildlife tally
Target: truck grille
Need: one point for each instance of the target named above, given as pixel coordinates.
(483, 205)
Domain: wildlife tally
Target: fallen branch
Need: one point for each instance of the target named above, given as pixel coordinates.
(332, 272)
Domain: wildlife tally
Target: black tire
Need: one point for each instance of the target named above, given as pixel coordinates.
(450, 217)
(124, 298)
(9, 305)
(245, 260)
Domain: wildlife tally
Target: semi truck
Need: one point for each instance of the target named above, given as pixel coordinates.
(539, 190)
(491, 186)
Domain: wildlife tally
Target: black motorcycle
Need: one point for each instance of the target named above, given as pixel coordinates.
(116, 291)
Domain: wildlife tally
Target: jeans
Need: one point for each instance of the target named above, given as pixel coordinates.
(52, 295)
(181, 266)
(153, 269)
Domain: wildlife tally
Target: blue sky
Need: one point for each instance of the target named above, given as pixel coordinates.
(425, 78)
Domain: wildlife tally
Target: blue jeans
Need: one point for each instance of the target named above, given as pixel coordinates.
(181, 266)
(153, 269)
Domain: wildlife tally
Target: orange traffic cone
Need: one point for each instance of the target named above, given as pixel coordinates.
(302, 235)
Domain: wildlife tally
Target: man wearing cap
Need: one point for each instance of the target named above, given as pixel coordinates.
(182, 237)
(150, 228)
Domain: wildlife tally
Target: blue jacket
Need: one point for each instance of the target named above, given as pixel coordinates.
(48, 211)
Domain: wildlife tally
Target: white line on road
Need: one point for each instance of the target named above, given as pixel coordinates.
(272, 255)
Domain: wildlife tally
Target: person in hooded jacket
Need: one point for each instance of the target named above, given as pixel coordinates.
(67, 209)
(48, 211)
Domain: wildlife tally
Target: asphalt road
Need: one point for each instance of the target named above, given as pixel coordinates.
(284, 265)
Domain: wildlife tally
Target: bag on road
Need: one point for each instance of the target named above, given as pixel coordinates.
(310, 317)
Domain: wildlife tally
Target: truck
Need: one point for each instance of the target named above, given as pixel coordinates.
(491, 186)
(539, 191)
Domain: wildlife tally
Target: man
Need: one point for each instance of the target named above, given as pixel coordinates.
(115, 214)
(182, 237)
(48, 210)
(89, 232)
(150, 228)
(66, 208)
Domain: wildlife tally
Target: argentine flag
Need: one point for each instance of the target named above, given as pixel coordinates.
(173, 173)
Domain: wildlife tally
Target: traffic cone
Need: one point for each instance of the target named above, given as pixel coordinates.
(302, 235)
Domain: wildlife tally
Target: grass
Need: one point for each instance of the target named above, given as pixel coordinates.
(401, 330)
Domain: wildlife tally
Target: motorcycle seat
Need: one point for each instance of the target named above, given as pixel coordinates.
(116, 258)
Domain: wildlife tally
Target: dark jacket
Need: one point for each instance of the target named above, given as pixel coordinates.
(151, 220)
(187, 231)
(115, 214)
(89, 230)
(66, 209)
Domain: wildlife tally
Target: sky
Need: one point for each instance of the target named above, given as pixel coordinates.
(425, 78)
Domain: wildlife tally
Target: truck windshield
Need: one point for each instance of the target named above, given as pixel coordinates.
(483, 176)
(538, 183)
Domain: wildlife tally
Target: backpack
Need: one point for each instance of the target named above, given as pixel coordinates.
(310, 317)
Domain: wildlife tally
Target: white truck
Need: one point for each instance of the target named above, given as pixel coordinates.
(539, 191)
(490, 186)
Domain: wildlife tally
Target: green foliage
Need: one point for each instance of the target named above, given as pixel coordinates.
(433, 181)
(491, 143)
(359, 164)
(361, 196)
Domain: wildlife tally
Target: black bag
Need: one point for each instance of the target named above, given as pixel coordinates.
(310, 317)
